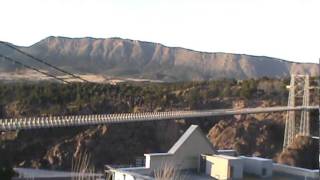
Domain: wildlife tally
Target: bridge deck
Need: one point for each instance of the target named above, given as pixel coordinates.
(63, 121)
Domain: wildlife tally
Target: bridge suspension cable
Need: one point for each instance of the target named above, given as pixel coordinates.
(32, 68)
(43, 62)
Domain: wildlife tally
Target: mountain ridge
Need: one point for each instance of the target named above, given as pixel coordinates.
(161, 44)
(141, 59)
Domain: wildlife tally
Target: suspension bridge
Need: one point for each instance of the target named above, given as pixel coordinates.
(80, 120)
(298, 104)
(291, 131)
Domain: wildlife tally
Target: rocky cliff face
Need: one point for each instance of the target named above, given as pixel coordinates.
(261, 138)
(130, 58)
(264, 138)
(118, 144)
(303, 152)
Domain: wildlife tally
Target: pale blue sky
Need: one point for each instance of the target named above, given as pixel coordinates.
(287, 29)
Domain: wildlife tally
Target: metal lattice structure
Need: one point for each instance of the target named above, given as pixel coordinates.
(299, 95)
(305, 117)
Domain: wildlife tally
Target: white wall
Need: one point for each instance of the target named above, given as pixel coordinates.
(188, 155)
(309, 173)
(255, 166)
(122, 176)
(237, 168)
(185, 157)
(155, 161)
(219, 167)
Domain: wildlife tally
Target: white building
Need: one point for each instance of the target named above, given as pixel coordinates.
(223, 167)
(185, 153)
(194, 157)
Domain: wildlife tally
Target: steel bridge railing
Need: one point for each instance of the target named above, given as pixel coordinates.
(81, 120)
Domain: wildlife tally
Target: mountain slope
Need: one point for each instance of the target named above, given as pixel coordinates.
(129, 58)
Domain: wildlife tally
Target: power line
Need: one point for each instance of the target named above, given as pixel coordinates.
(42, 61)
(29, 67)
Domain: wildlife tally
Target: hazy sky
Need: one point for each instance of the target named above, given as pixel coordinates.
(287, 29)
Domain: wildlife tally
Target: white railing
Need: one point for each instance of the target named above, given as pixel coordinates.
(63, 121)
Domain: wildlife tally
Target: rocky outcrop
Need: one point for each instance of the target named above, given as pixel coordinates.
(113, 144)
(264, 138)
(303, 152)
(248, 136)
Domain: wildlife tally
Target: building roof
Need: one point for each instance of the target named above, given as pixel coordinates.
(225, 157)
(185, 136)
(256, 158)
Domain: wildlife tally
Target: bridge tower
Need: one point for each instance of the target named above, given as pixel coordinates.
(299, 95)
(305, 117)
